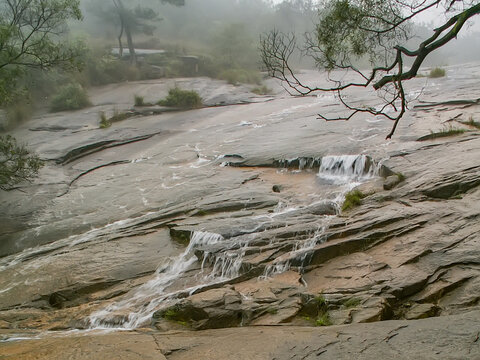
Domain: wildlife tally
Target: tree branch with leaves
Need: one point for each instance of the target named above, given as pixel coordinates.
(31, 36)
(350, 30)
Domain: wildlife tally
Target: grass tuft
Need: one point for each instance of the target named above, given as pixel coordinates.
(443, 133)
(353, 199)
(401, 177)
(323, 320)
(472, 123)
(139, 100)
(104, 122)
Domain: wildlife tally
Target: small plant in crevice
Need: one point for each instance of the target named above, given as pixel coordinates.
(472, 123)
(353, 199)
(401, 177)
(447, 132)
(170, 314)
(352, 302)
(104, 122)
(323, 318)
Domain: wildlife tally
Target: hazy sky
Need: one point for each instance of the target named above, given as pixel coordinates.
(438, 17)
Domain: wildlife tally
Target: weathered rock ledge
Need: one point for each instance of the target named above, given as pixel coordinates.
(448, 337)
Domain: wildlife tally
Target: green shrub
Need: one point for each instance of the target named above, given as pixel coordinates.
(240, 76)
(262, 90)
(139, 101)
(185, 99)
(70, 97)
(352, 199)
(437, 73)
(17, 164)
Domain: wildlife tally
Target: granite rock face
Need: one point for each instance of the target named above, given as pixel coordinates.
(170, 224)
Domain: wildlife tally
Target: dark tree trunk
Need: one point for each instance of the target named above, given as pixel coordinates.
(122, 13)
(120, 45)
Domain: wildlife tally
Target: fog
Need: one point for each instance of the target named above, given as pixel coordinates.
(200, 26)
(214, 38)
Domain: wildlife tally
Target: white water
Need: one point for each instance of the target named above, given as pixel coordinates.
(148, 297)
(225, 263)
(344, 169)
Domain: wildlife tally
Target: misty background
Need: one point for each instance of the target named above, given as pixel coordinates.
(215, 38)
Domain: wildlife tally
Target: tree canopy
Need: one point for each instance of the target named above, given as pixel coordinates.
(131, 19)
(348, 31)
(31, 36)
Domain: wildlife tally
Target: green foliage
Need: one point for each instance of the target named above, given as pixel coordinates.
(17, 164)
(323, 320)
(437, 73)
(139, 100)
(352, 199)
(447, 132)
(343, 31)
(170, 314)
(104, 122)
(321, 301)
(472, 123)
(262, 90)
(70, 97)
(31, 37)
(401, 177)
(185, 99)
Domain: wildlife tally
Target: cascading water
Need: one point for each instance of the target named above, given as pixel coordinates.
(344, 169)
(225, 262)
(144, 301)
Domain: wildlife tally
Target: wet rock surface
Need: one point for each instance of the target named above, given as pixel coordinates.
(229, 217)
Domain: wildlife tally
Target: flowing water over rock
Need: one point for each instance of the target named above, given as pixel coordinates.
(231, 216)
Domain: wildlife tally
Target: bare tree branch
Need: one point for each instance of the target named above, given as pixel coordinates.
(348, 30)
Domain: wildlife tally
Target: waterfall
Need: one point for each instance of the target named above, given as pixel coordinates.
(344, 169)
(222, 259)
(145, 300)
